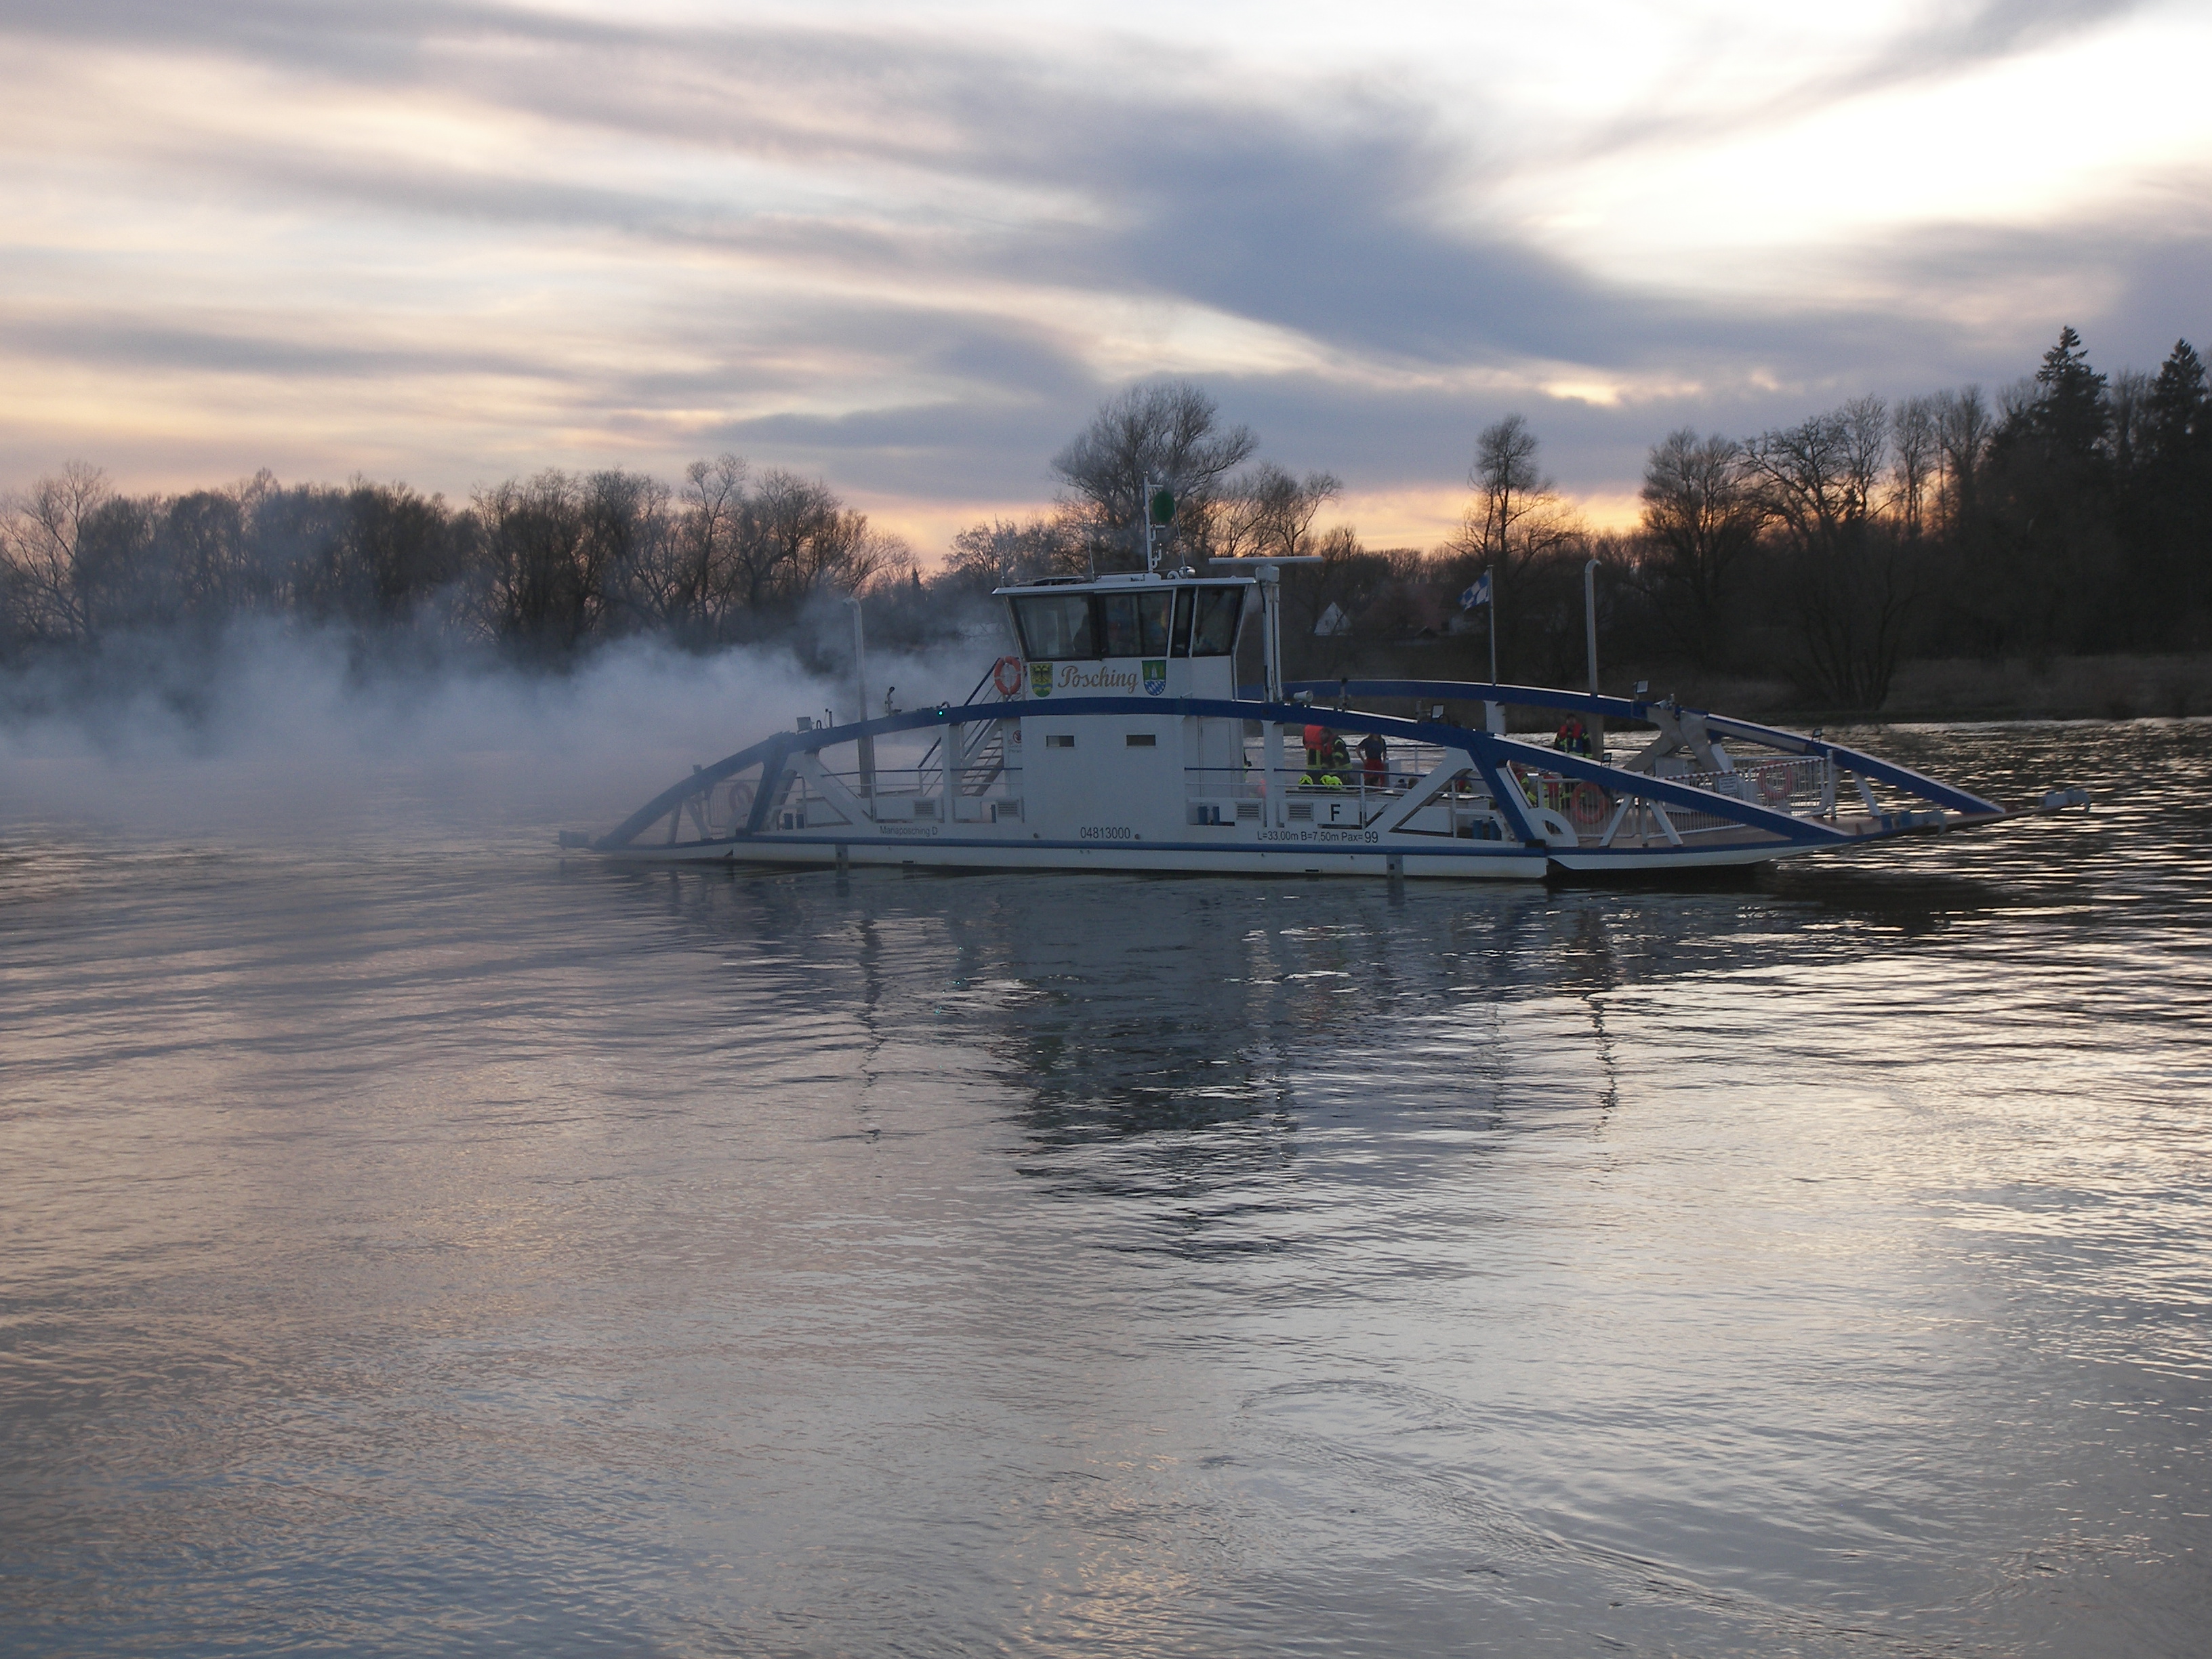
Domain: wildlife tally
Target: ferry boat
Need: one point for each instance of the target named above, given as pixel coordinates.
(1116, 738)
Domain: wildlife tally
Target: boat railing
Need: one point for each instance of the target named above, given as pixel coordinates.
(1319, 795)
(1603, 814)
(1782, 783)
(1355, 795)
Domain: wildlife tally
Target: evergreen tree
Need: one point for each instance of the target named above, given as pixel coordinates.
(2049, 575)
(2180, 424)
(2168, 513)
(2070, 414)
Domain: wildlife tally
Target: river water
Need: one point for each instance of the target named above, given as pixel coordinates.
(421, 1245)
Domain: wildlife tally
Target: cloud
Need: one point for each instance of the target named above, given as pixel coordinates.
(474, 238)
(1936, 47)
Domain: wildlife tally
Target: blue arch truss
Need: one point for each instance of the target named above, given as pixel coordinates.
(1488, 754)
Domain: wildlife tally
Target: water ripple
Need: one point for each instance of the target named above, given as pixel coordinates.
(422, 1250)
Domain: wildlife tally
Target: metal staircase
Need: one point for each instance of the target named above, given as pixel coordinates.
(981, 757)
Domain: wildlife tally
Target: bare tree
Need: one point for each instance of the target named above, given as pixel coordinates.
(1854, 580)
(1167, 433)
(1006, 551)
(546, 576)
(796, 537)
(1914, 438)
(122, 580)
(204, 539)
(1963, 426)
(1269, 511)
(627, 526)
(44, 535)
(1504, 471)
(1820, 477)
(731, 556)
(1516, 517)
(689, 590)
(1701, 516)
(395, 548)
(679, 581)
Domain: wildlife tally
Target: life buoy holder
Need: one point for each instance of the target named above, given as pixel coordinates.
(1774, 784)
(1006, 674)
(1588, 804)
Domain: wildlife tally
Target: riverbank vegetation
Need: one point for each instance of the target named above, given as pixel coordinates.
(2067, 516)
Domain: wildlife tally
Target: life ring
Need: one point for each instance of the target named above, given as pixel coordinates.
(1006, 674)
(1588, 802)
(1774, 784)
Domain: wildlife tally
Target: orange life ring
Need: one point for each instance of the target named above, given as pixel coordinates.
(1006, 674)
(1774, 783)
(1588, 802)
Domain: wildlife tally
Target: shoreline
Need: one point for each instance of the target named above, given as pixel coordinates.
(1957, 690)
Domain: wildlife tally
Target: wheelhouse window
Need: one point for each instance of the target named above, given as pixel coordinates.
(1136, 625)
(1213, 631)
(1155, 612)
(1119, 612)
(1055, 626)
(1152, 621)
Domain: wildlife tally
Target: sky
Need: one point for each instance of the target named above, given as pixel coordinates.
(910, 248)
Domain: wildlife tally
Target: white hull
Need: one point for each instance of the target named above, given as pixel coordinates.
(1483, 862)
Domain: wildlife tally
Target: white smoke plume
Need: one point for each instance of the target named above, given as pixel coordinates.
(289, 738)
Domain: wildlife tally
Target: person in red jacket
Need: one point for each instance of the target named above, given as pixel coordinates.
(1374, 761)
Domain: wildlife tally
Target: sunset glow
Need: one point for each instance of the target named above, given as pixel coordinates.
(909, 252)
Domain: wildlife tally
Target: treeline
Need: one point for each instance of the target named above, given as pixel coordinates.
(2070, 513)
(542, 568)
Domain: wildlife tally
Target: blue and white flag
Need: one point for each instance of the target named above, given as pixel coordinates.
(1477, 594)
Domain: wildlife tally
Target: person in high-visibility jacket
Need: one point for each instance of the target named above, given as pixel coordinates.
(1317, 737)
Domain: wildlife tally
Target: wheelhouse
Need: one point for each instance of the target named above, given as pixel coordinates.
(1157, 617)
(1170, 633)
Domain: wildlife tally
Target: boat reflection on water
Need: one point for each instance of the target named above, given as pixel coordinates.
(1123, 1005)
